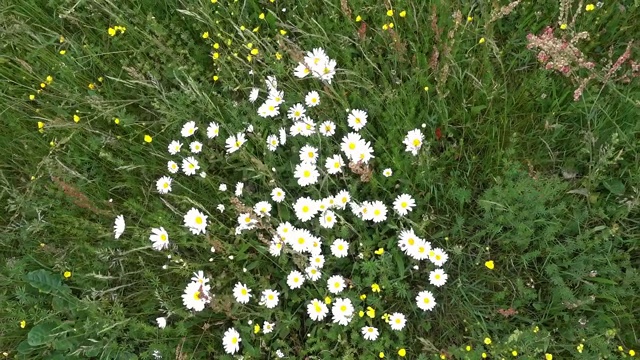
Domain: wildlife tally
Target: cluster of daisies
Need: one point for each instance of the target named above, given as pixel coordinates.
(309, 170)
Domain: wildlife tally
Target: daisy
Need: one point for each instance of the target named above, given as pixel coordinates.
(269, 298)
(246, 222)
(317, 261)
(118, 226)
(262, 208)
(357, 119)
(328, 219)
(403, 204)
(241, 293)
(253, 95)
(196, 221)
(282, 136)
(284, 229)
(272, 83)
(276, 97)
(438, 257)
(312, 99)
(438, 277)
(425, 300)
(306, 173)
(199, 278)
(213, 130)
(163, 185)
(413, 141)
(308, 127)
(195, 147)
(172, 166)
(275, 247)
(378, 211)
(159, 238)
(363, 153)
(174, 147)
(277, 195)
(407, 240)
(397, 321)
(308, 154)
(317, 310)
(387, 172)
(188, 129)
(343, 198)
(351, 145)
(421, 250)
(363, 211)
(233, 143)
(272, 142)
(334, 164)
(336, 284)
(267, 327)
(196, 296)
(231, 341)
(299, 240)
(305, 208)
(295, 279)
(316, 58)
(190, 165)
(342, 311)
(162, 322)
(301, 71)
(315, 246)
(327, 128)
(296, 112)
(369, 333)
(239, 188)
(339, 248)
(313, 273)
(222, 187)
(328, 71)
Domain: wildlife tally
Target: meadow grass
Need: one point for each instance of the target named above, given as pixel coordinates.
(534, 195)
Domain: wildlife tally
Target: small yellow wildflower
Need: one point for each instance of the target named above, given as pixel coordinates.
(389, 12)
(380, 251)
(23, 324)
(76, 118)
(148, 138)
(363, 296)
(228, 42)
(489, 264)
(62, 52)
(469, 18)
(360, 313)
(214, 1)
(514, 353)
(358, 18)
(215, 56)
(256, 329)
(40, 125)
(61, 39)
(41, 244)
(32, 97)
(283, 32)
(249, 45)
(100, 79)
(215, 77)
(391, 25)
(255, 29)
(205, 35)
(92, 86)
(590, 7)
(327, 300)
(481, 41)
(484, 355)
(548, 356)
(375, 287)
(371, 312)
(385, 27)
(381, 355)
(43, 85)
(254, 51)
(261, 16)
(580, 348)
(67, 274)
(249, 58)
(117, 121)
(620, 348)
(52, 143)
(402, 352)
(242, 28)
(216, 46)
(468, 348)
(632, 353)
(385, 317)
(426, 88)
(278, 56)
(487, 341)
(563, 26)
(49, 79)
(112, 32)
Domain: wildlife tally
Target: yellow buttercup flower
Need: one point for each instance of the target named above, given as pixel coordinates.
(67, 274)
(380, 251)
(283, 32)
(363, 296)
(487, 341)
(548, 356)
(40, 125)
(76, 118)
(216, 46)
(403, 13)
(23, 324)
(111, 31)
(590, 7)
(62, 52)
(389, 12)
(205, 35)
(278, 56)
(358, 18)
(360, 313)
(563, 26)
(261, 16)
(402, 352)
(32, 97)
(481, 41)
(468, 348)
(215, 77)
(489, 264)
(371, 312)
(514, 353)
(256, 329)
(117, 121)
(391, 25)
(327, 300)
(381, 355)
(148, 138)
(385, 27)
(254, 51)
(375, 287)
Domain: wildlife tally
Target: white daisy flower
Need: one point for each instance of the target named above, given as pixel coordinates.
(213, 130)
(351, 145)
(231, 341)
(246, 222)
(159, 238)
(438, 257)
(403, 204)
(188, 129)
(174, 147)
(173, 167)
(312, 99)
(253, 95)
(317, 310)
(438, 277)
(369, 333)
(308, 154)
(276, 97)
(306, 173)
(282, 136)
(284, 229)
(413, 141)
(162, 322)
(316, 260)
(387, 172)
(301, 71)
(233, 143)
(305, 208)
(397, 321)
(334, 164)
(241, 293)
(190, 166)
(296, 112)
(342, 311)
(343, 198)
(195, 147)
(163, 185)
(262, 208)
(336, 284)
(267, 327)
(196, 221)
(196, 296)
(299, 240)
(270, 298)
(269, 109)
(328, 219)
(295, 279)
(272, 142)
(327, 128)
(277, 195)
(275, 247)
(425, 300)
(118, 226)
(313, 273)
(239, 188)
(357, 119)
(340, 248)
(378, 211)
(199, 277)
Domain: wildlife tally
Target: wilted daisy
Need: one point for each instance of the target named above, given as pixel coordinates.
(387, 172)
(369, 333)
(195, 147)
(159, 238)
(357, 119)
(336, 284)
(277, 195)
(438, 277)
(305, 208)
(118, 226)
(162, 322)
(413, 141)
(196, 296)
(313, 273)
(296, 112)
(262, 208)
(233, 143)
(312, 99)
(378, 211)
(425, 300)
(397, 321)
(163, 185)
(282, 136)
(190, 165)
(196, 221)
(334, 164)
(269, 298)
(220, 208)
(174, 147)
(342, 311)
(213, 130)
(241, 293)
(188, 129)
(253, 95)
(239, 188)
(317, 310)
(267, 327)
(173, 167)
(231, 341)
(306, 173)
(295, 279)
(403, 204)
(438, 257)
(272, 142)
(328, 219)
(327, 128)
(308, 154)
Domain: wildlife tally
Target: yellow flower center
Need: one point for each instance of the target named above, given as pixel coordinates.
(300, 240)
(270, 297)
(305, 209)
(437, 276)
(352, 146)
(336, 165)
(243, 291)
(376, 212)
(416, 142)
(198, 220)
(404, 204)
(166, 185)
(196, 295)
(340, 247)
(358, 120)
(411, 241)
(163, 237)
(426, 300)
(306, 173)
(343, 308)
(190, 131)
(234, 340)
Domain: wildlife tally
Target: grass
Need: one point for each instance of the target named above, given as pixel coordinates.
(513, 171)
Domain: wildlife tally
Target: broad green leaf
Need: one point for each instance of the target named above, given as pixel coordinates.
(44, 281)
(41, 334)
